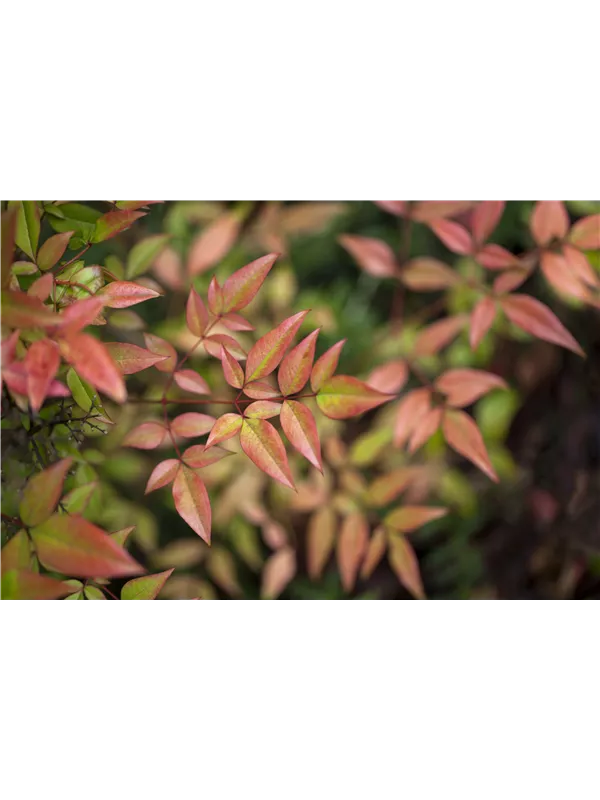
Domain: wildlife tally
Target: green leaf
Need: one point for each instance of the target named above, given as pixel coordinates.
(28, 226)
(84, 395)
(146, 587)
(143, 254)
(93, 593)
(78, 218)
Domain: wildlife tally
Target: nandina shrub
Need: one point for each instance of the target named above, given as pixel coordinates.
(261, 389)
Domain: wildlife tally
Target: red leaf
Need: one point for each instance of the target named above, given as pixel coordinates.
(492, 256)
(580, 266)
(263, 446)
(510, 280)
(266, 354)
(94, 364)
(320, 540)
(372, 255)
(463, 386)
(342, 397)
(389, 377)
(387, 487)
(122, 294)
(192, 503)
(241, 287)
(463, 435)
(278, 571)
(325, 366)
(42, 287)
(215, 297)
(26, 585)
(132, 205)
(114, 222)
(162, 475)
(482, 319)
(196, 314)
(21, 311)
(259, 390)
(78, 315)
(216, 341)
(147, 587)
(190, 381)
(585, 233)
(375, 550)
(198, 455)
(163, 348)
(296, 366)
(262, 409)
(192, 424)
(454, 236)
(411, 408)
(42, 493)
(428, 274)
(9, 348)
(130, 358)
(235, 322)
(429, 210)
(549, 220)
(146, 436)
(558, 274)
(408, 518)
(439, 334)
(234, 374)
(424, 429)
(351, 548)
(404, 563)
(224, 428)
(53, 250)
(42, 362)
(396, 207)
(484, 219)
(213, 244)
(74, 546)
(535, 318)
(300, 427)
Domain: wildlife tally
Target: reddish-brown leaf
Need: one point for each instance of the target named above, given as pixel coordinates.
(320, 540)
(463, 386)
(42, 287)
(296, 366)
(390, 377)
(585, 233)
(429, 210)
(404, 562)
(454, 236)
(342, 397)
(463, 435)
(241, 287)
(326, 365)
(408, 518)
(213, 244)
(265, 356)
(122, 294)
(157, 345)
(52, 250)
(215, 297)
(224, 428)
(387, 487)
(26, 585)
(492, 256)
(549, 220)
(482, 319)
(42, 493)
(190, 381)
(351, 547)
(94, 364)
(372, 255)
(235, 322)
(146, 436)
(484, 219)
(162, 475)
(41, 362)
(375, 551)
(411, 408)
(428, 274)
(79, 314)
(196, 314)
(263, 409)
(198, 455)
(234, 374)
(580, 266)
(259, 390)
(147, 587)
(262, 444)
(300, 427)
(192, 424)
(114, 222)
(509, 281)
(214, 343)
(19, 310)
(557, 272)
(73, 546)
(439, 334)
(278, 571)
(424, 429)
(130, 358)
(192, 503)
(535, 318)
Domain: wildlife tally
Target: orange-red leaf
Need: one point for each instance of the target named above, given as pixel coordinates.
(241, 287)
(375, 550)
(94, 364)
(263, 409)
(122, 294)
(463, 435)
(196, 314)
(396, 207)
(484, 219)
(325, 366)
(320, 540)
(262, 444)
(411, 408)
(454, 236)
(342, 397)
(389, 377)
(213, 244)
(549, 220)
(510, 280)
(535, 318)
(278, 571)
(216, 341)
(215, 296)
(428, 210)
(585, 233)
(52, 250)
(439, 334)
(580, 266)
(146, 436)
(42, 493)
(424, 429)
(163, 348)
(190, 381)
(25, 585)
(408, 518)
(482, 319)
(387, 487)
(147, 587)
(351, 547)
(428, 274)
(492, 256)
(130, 358)
(42, 287)
(265, 356)
(192, 503)
(300, 427)
(162, 474)
(79, 314)
(73, 546)
(114, 222)
(19, 310)
(198, 455)
(463, 386)
(296, 366)
(372, 255)
(224, 428)
(404, 562)
(235, 322)
(555, 269)
(234, 374)
(192, 424)
(259, 390)
(42, 362)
